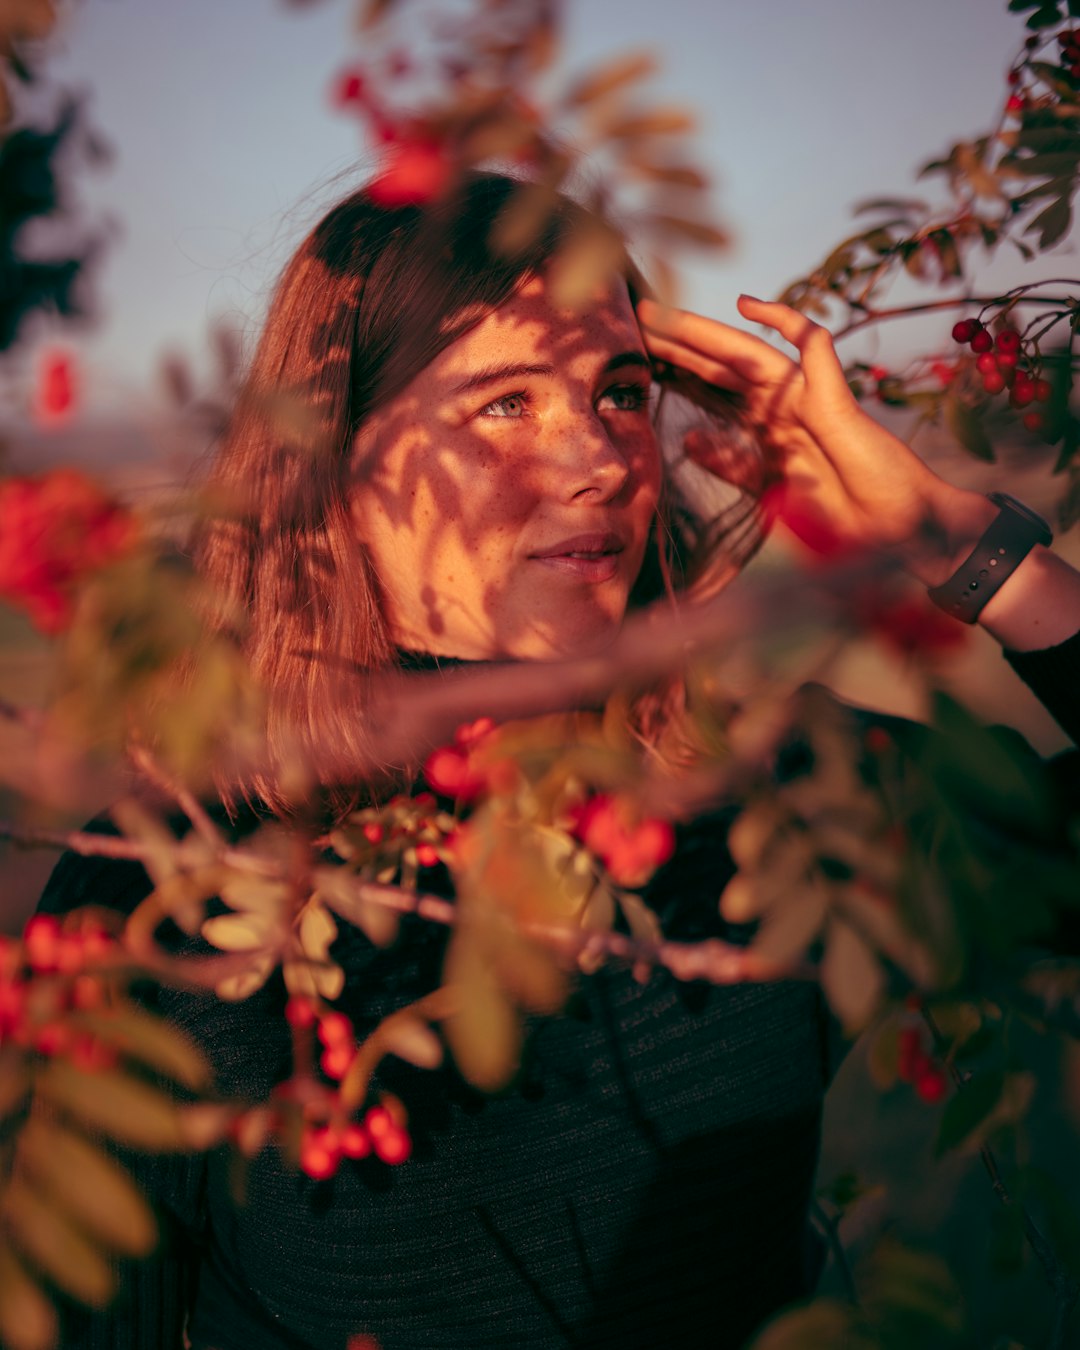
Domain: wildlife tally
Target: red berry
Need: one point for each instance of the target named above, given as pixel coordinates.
(1044, 391)
(982, 341)
(300, 1012)
(41, 937)
(1023, 392)
(1008, 340)
(335, 1029)
(393, 1147)
(965, 330)
(994, 382)
(355, 1141)
(986, 363)
(373, 832)
(1074, 70)
(1034, 420)
(878, 373)
(1014, 103)
(426, 855)
(378, 1121)
(930, 1084)
(336, 1061)
(320, 1152)
(1006, 361)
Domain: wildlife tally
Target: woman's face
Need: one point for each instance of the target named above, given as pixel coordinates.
(506, 495)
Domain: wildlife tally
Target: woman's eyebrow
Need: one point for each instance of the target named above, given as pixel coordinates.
(494, 374)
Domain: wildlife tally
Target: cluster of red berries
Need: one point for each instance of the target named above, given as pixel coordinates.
(323, 1146)
(1069, 41)
(998, 362)
(915, 1065)
(412, 828)
(34, 1011)
(325, 1142)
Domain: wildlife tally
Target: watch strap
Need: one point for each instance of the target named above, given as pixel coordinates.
(1009, 538)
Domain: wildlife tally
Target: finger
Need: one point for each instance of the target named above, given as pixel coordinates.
(708, 368)
(820, 363)
(709, 338)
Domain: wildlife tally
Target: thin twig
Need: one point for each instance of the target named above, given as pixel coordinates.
(932, 306)
(830, 1231)
(147, 765)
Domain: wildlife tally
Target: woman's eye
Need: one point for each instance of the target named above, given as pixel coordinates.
(626, 397)
(509, 405)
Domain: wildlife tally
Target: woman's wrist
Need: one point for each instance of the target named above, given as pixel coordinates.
(954, 522)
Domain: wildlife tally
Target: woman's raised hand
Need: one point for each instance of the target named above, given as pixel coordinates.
(844, 477)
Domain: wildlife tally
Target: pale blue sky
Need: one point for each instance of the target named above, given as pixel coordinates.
(225, 144)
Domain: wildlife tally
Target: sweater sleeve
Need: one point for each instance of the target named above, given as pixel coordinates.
(155, 1294)
(1053, 675)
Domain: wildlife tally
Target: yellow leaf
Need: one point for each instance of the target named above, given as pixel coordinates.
(411, 1040)
(240, 932)
(14, 1081)
(155, 1042)
(701, 232)
(54, 1247)
(317, 931)
(28, 1321)
(121, 1107)
(658, 122)
(235, 988)
(94, 1190)
(615, 75)
(530, 974)
(851, 976)
(484, 1033)
(585, 264)
(344, 894)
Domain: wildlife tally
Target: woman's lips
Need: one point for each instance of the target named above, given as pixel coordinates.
(592, 558)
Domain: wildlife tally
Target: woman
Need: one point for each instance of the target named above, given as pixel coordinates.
(477, 477)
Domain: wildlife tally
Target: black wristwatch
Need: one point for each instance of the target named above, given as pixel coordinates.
(1008, 540)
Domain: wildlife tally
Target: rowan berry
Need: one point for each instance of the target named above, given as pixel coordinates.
(300, 1012)
(320, 1152)
(427, 855)
(993, 382)
(1015, 103)
(336, 1061)
(1006, 362)
(378, 1121)
(1034, 420)
(41, 938)
(930, 1085)
(986, 363)
(878, 373)
(392, 1147)
(374, 832)
(982, 341)
(335, 1029)
(1044, 391)
(965, 330)
(355, 1141)
(1023, 391)
(1013, 77)
(1008, 340)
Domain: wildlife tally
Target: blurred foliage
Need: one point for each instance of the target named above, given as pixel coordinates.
(927, 876)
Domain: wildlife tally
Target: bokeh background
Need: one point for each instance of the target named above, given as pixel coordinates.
(226, 147)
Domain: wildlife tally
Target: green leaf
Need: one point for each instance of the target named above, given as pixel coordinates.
(43, 1233)
(96, 1191)
(968, 1109)
(986, 770)
(905, 204)
(1045, 17)
(1053, 223)
(966, 425)
(28, 1321)
(118, 1105)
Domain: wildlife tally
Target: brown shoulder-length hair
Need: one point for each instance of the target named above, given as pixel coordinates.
(371, 296)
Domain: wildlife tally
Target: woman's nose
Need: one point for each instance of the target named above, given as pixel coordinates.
(589, 463)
